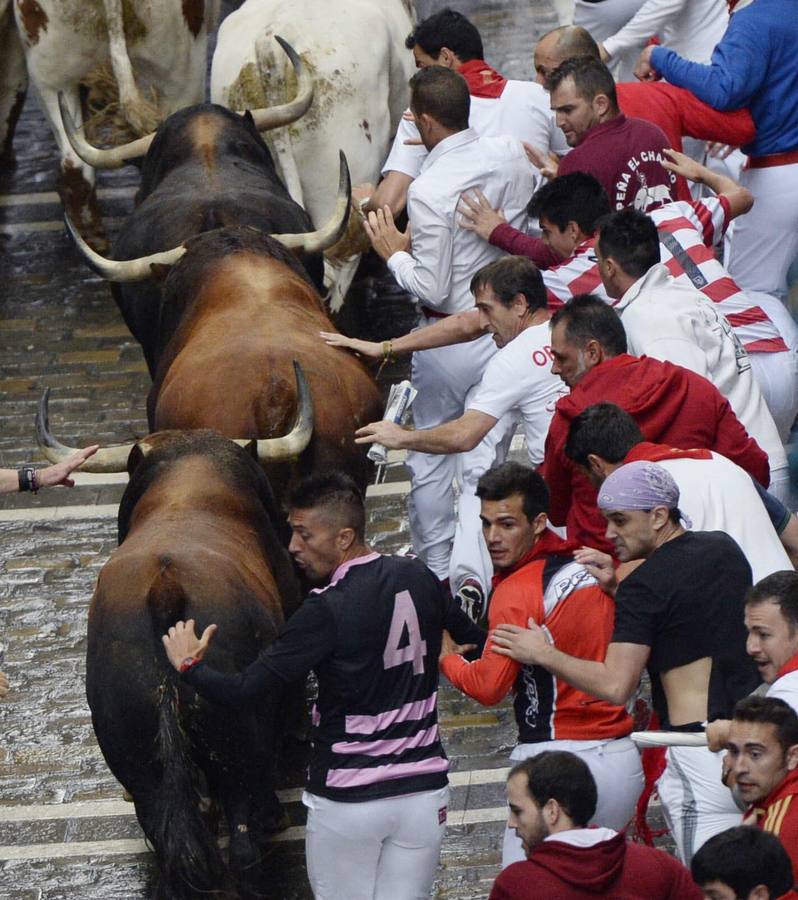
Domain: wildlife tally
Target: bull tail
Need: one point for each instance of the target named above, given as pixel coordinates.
(188, 856)
(166, 598)
(142, 116)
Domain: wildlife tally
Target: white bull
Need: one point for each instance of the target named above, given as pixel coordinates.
(163, 41)
(355, 49)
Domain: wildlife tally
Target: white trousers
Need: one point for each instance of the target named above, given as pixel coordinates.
(765, 240)
(696, 804)
(377, 849)
(443, 378)
(603, 20)
(616, 767)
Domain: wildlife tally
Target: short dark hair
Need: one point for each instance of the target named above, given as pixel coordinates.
(743, 858)
(630, 237)
(590, 76)
(780, 588)
(561, 776)
(603, 429)
(588, 318)
(511, 275)
(336, 493)
(575, 197)
(510, 478)
(770, 711)
(447, 28)
(443, 94)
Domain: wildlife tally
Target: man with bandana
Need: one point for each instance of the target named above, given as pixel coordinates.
(680, 615)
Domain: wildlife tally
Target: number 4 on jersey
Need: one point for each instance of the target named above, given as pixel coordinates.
(404, 615)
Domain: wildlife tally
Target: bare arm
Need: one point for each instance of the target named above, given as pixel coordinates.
(391, 191)
(614, 680)
(49, 475)
(789, 538)
(455, 329)
(740, 199)
(456, 436)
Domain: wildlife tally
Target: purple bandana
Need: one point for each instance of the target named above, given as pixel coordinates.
(640, 485)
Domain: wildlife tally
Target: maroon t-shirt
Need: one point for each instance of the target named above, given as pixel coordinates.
(626, 156)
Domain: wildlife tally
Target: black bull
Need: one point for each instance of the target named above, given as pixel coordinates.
(198, 539)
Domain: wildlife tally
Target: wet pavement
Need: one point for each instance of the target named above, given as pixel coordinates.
(65, 832)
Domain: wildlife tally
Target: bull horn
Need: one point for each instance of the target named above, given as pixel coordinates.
(292, 444)
(110, 158)
(107, 459)
(122, 269)
(332, 232)
(285, 114)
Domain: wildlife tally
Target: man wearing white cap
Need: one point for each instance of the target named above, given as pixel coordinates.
(680, 615)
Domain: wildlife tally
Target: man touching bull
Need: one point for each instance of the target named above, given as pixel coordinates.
(377, 787)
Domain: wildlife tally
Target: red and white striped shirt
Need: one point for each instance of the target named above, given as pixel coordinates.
(688, 233)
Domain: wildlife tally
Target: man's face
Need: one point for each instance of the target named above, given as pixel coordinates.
(508, 533)
(772, 640)
(632, 532)
(424, 59)
(717, 890)
(525, 816)
(569, 361)
(314, 543)
(755, 758)
(546, 59)
(563, 243)
(503, 322)
(574, 115)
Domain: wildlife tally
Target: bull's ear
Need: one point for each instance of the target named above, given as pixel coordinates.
(251, 447)
(159, 271)
(135, 459)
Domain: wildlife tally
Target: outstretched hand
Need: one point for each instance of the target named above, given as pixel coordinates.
(182, 642)
(525, 645)
(478, 215)
(389, 434)
(681, 164)
(547, 163)
(385, 237)
(60, 472)
(372, 349)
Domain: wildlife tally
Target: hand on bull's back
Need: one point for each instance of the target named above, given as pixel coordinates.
(182, 643)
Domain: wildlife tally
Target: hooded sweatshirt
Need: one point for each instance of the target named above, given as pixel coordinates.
(672, 405)
(595, 862)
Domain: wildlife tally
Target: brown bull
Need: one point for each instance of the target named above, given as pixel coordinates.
(198, 532)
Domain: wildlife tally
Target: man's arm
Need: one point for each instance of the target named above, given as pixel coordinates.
(456, 436)
(614, 680)
(556, 470)
(738, 198)
(49, 475)
(649, 20)
(734, 442)
(391, 191)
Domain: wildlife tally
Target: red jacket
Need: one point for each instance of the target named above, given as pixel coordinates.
(672, 405)
(778, 814)
(611, 868)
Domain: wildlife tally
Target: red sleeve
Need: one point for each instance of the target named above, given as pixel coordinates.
(682, 885)
(489, 679)
(513, 241)
(734, 442)
(555, 470)
(788, 833)
(699, 120)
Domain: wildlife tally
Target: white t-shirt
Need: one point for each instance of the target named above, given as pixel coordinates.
(672, 321)
(522, 111)
(786, 689)
(443, 256)
(519, 377)
(718, 495)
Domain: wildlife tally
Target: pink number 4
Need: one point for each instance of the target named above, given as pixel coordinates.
(404, 614)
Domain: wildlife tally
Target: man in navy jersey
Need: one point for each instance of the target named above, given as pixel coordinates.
(377, 787)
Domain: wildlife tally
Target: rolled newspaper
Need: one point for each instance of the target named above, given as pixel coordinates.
(396, 410)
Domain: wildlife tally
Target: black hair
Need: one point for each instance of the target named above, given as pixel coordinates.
(590, 76)
(510, 478)
(780, 588)
(770, 711)
(630, 237)
(511, 275)
(742, 858)
(564, 777)
(337, 494)
(447, 28)
(576, 197)
(603, 429)
(588, 318)
(443, 94)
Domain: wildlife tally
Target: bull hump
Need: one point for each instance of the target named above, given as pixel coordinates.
(34, 19)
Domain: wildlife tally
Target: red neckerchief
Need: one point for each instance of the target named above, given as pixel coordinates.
(482, 80)
(662, 452)
(548, 543)
(790, 666)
